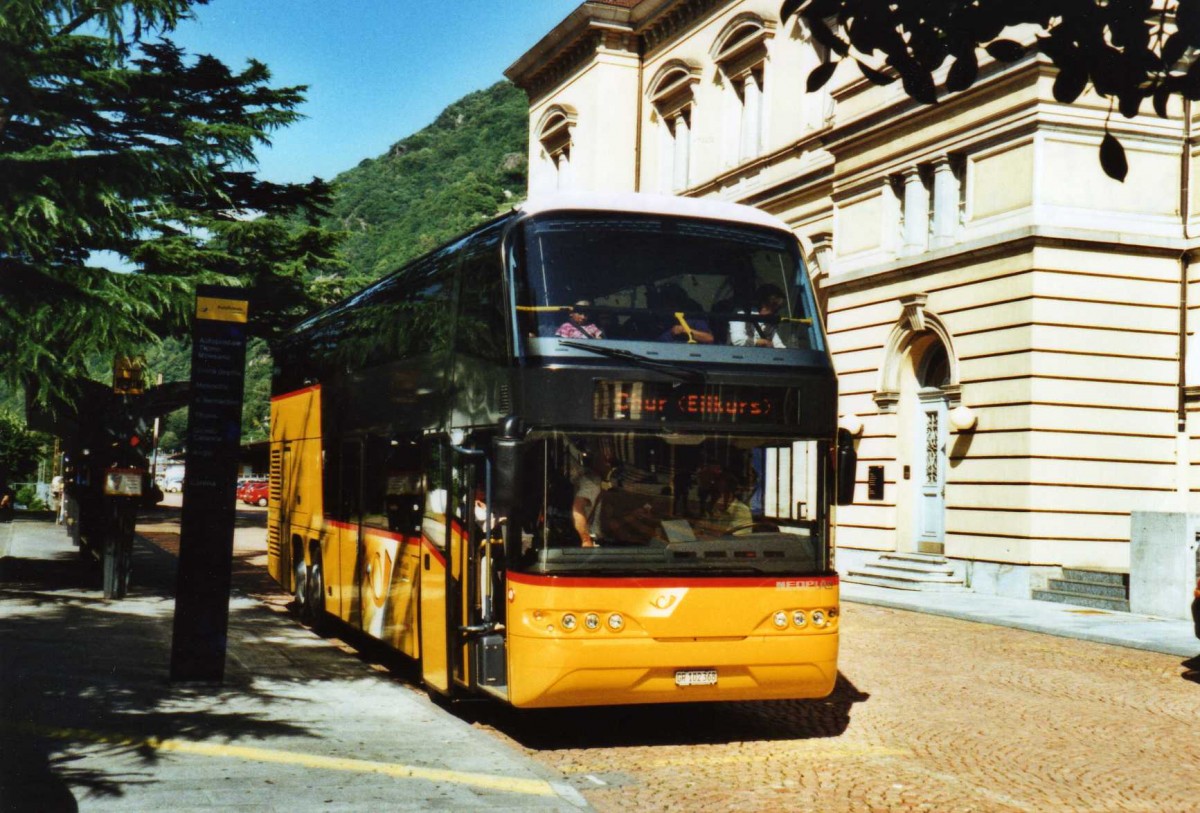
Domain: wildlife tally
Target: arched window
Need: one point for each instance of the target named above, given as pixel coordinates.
(934, 369)
(741, 54)
(554, 134)
(672, 97)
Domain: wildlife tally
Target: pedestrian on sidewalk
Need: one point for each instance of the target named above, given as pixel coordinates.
(8, 499)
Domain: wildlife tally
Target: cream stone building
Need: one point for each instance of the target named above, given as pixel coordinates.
(1011, 328)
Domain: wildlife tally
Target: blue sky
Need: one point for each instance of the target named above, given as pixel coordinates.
(377, 70)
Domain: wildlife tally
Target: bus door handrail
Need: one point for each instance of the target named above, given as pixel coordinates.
(487, 620)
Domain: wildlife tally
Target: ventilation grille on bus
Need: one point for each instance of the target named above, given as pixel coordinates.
(505, 400)
(275, 487)
(275, 478)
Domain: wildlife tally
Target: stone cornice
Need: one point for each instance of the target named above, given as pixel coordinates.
(661, 26)
(1017, 241)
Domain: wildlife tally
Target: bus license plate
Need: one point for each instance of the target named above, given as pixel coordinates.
(696, 677)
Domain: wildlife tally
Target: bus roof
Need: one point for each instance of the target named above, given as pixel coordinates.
(652, 204)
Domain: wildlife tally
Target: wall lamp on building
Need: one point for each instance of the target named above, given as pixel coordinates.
(963, 418)
(852, 424)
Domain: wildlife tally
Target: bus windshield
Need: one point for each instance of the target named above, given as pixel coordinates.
(629, 279)
(625, 503)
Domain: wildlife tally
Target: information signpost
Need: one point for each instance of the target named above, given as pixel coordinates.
(206, 527)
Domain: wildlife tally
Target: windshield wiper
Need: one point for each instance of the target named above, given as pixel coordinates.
(679, 371)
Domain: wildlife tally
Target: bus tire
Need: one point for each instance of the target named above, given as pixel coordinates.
(299, 582)
(314, 605)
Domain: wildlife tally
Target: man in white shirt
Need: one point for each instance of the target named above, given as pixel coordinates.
(760, 334)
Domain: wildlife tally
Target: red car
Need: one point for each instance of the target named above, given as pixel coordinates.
(253, 492)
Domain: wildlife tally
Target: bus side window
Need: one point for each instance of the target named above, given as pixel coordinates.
(391, 484)
(482, 327)
(436, 499)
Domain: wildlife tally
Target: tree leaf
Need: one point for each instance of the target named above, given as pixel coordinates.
(1070, 82)
(1112, 158)
(1005, 50)
(824, 35)
(876, 77)
(1129, 102)
(820, 75)
(790, 7)
(963, 72)
(918, 84)
(1162, 94)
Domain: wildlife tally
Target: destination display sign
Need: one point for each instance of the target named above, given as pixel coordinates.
(644, 402)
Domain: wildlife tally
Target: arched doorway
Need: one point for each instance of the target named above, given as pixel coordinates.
(918, 383)
(929, 437)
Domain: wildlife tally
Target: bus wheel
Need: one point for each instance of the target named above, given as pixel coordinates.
(314, 604)
(299, 584)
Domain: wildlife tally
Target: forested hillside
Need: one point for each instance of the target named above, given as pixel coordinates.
(465, 167)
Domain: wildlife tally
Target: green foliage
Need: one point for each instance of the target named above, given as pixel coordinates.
(432, 186)
(114, 142)
(1130, 52)
(27, 496)
(20, 449)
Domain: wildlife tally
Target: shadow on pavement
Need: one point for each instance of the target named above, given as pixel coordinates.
(673, 723)
(1191, 669)
(83, 677)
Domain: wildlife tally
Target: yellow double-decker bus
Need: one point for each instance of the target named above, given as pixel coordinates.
(586, 454)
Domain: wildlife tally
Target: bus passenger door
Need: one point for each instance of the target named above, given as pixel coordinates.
(434, 556)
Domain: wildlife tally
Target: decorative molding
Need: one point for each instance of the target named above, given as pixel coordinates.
(677, 20)
(953, 393)
(822, 253)
(914, 311)
(672, 86)
(886, 401)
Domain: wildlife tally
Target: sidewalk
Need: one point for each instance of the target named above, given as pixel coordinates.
(89, 721)
(1119, 629)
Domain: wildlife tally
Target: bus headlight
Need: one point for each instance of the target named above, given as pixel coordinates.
(798, 618)
(781, 619)
(616, 623)
(818, 618)
(568, 622)
(591, 621)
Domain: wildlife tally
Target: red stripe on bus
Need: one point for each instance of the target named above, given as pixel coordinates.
(660, 582)
(374, 530)
(301, 391)
(432, 548)
(423, 541)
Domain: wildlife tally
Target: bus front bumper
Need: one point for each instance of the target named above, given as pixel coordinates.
(578, 671)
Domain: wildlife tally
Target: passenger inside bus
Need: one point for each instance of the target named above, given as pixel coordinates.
(579, 324)
(769, 301)
(591, 470)
(685, 322)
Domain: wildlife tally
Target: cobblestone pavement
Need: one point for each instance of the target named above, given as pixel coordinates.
(930, 714)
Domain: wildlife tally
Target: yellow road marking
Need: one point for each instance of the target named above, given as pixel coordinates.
(529, 787)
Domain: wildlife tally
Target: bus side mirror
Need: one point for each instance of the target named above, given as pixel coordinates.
(508, 449)
(847, 467)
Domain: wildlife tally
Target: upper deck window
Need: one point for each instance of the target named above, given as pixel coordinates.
(679, 283)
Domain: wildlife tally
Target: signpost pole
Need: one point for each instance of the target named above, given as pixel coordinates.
(206, 527)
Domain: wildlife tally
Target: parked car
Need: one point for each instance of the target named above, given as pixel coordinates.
(173, 484)
(254, 492)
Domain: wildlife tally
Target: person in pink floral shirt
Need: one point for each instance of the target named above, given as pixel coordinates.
(579, 325)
